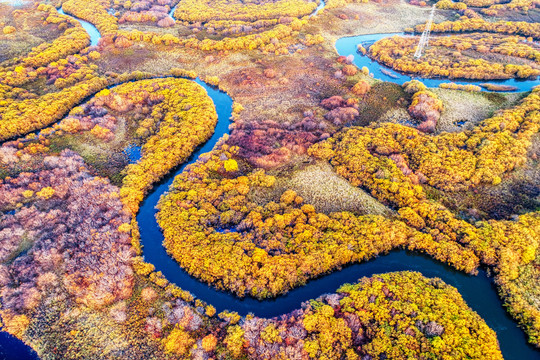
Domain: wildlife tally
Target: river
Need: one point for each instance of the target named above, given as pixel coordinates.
(90, 28)
(478, 291)
(348, 46)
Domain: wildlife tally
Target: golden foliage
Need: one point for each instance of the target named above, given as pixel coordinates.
(187, 120)
(8, 29)
(46, 193)
(235, 340)
(209, 342)
(18, 117)
(219, 235)
(93, 11)
(206, 10)
(398, 52)
(178, 341)
(408, 324)
(16, 324)
(391, 160)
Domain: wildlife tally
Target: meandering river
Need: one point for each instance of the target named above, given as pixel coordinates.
(478, 291)
(90, 28)
(348, 46)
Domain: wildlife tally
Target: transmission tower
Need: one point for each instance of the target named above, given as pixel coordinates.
(424, 39)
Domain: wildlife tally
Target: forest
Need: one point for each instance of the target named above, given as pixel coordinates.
(287, 162)
(463, 56)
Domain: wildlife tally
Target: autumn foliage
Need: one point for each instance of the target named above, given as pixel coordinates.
(393, 161)
(55, 210)
(18, 117)
(217, 233)
(184, 119)
(386, 316)
(447, 56)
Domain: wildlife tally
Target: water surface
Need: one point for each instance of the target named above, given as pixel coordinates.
(89, 27)
(346, 46)
(478, 291)
(12, 348)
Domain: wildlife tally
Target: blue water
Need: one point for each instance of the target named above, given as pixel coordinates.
(478, 291)
(321, 6)
(133, 153)
(171, 13)
(348, 46)
(90, 28)
(12, 348)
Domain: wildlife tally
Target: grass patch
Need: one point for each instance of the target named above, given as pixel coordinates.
(382, 97)
(319, 185)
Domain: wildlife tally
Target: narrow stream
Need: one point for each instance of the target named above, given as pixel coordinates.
(90, 28)
(478, 291)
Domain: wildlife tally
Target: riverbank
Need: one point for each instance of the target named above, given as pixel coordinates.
(348, 46)
(255, 85)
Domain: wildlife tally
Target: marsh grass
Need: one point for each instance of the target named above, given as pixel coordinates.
(319, 185)
(398, 116)
(463, 110)
(30, 32)
(373, 18)
(382, 97)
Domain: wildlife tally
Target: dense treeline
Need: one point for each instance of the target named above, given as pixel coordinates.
(448, 329)
(68, 266)
(392, 161)
(203, 11)
(217, 231)
(388, 316)
(272, 40)
(184, 119)
(267, 26)
(337, 325)
(18, 117)
(48, 216)
(93, 11)
(491, 7)
(470, 56)
(73, 39)
(519, 289)
(477, 149)
(497, 8)
(477, 24)
(467, 87)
